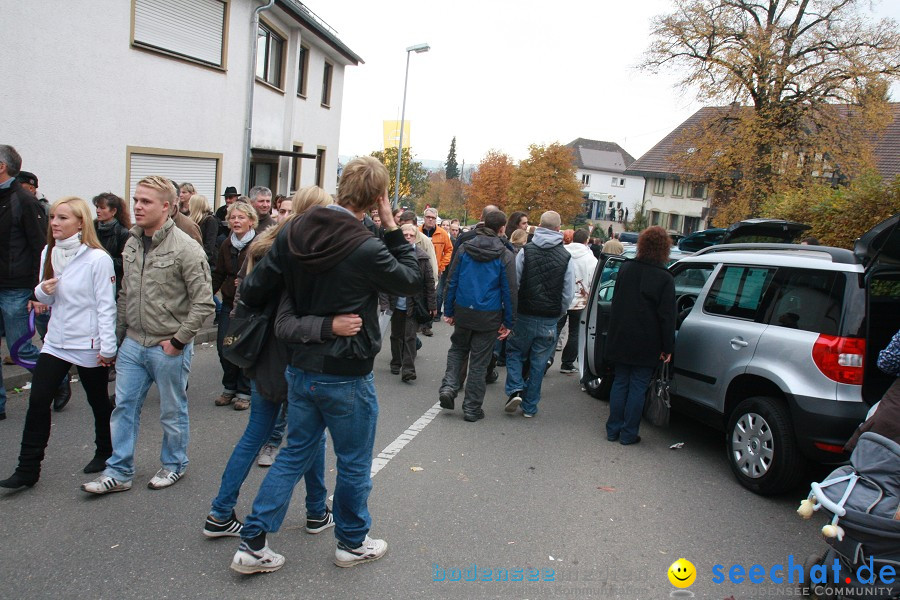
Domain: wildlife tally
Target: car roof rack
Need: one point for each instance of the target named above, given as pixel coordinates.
(838, 255)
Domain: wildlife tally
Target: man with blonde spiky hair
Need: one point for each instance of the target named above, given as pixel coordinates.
(164, 300)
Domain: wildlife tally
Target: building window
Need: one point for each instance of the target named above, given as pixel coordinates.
(269, 55)
(320, 168)
(675, 222)
(295, 169)
(190, 29)
(698, 190)
(302, 70)
(326, 84)
(678, 189)
(202, 169)
(659, 186)
(585, 179)
(618, 182)
(654, 217)
(264, 174)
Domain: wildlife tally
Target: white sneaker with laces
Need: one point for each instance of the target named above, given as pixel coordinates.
(267, 455)
(164, 478)
(249, 561)
(105, 485)
(369, 550)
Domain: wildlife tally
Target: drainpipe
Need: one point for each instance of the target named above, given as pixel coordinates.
(254, 29)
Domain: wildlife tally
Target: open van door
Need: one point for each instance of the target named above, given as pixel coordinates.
(596, 375)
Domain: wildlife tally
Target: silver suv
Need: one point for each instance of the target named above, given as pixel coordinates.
(776, 344)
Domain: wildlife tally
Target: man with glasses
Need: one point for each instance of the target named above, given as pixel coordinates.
(443, 251)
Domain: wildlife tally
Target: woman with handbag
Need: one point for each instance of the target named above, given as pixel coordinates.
(269, 392)
(242, 219)
(410, 313)
(78, 282)
(641, 332)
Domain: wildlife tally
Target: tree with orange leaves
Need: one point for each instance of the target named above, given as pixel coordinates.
(490, 183)
(546, 181)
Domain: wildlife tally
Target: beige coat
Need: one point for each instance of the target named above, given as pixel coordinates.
(166, 295)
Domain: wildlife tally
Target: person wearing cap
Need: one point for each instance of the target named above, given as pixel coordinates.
(29, 181)
(231, 195)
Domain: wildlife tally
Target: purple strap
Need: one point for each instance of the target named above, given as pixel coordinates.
(14, 349)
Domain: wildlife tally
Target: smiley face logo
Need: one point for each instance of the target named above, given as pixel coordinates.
(682, 573)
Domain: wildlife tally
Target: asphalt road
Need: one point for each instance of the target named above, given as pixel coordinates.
(548, 496)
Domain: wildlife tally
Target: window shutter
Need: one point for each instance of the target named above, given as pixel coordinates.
(191, 28)
(201, 172)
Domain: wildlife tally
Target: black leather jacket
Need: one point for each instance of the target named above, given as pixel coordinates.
(330, 264)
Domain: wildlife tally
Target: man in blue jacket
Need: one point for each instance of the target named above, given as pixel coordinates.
(481, 305)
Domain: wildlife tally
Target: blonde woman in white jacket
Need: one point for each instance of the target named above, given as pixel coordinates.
(585, 262)
(78, 283)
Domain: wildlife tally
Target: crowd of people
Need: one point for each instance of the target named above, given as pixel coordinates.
(332, 275)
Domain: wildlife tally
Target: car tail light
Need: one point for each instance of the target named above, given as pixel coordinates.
(840, 358)
(829, 447)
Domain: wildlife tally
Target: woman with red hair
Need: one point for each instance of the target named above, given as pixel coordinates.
(641, 331)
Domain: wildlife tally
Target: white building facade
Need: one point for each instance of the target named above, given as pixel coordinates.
(107, 91)
(600, 167)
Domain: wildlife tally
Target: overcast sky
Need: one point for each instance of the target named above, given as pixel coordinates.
(504, 74)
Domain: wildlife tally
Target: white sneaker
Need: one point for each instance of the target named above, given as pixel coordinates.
(249, 561)
(369, 550)
(105, 485)
(164, 478)
(267, 455)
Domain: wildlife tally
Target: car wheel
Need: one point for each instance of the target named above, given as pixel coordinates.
(600, 387)
(762, 451)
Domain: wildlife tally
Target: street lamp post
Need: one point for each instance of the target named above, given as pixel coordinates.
(418, 49)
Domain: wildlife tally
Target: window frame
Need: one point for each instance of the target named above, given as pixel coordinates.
(765, 297)
(321, 152)
(302, 70)
(173, 153)
(327, 82)
(296, 167)
(677, 188)
(659, 186)
(585, 179)
(272, 31)
(174, 54)
(693, 188)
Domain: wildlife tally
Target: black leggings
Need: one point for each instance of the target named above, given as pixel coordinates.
(48, 372)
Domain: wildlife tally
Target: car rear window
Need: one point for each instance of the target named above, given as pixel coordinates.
(808, 299)
(738, 292)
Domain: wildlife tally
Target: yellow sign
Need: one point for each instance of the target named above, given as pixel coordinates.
(392, 134)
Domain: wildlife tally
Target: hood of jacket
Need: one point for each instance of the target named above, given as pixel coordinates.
(578, 250)
(546, 238)
(485, 246)
(324, 236)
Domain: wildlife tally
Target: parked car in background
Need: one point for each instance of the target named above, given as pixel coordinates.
(749, 230)
(776, 345)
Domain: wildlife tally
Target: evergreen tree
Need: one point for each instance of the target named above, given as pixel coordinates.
(452, 170)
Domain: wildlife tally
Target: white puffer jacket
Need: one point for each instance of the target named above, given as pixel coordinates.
(83, 312)
(585, 262)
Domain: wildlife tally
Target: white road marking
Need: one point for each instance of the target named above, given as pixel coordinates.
(394, 448)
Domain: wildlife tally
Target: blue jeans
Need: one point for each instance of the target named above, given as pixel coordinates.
(14, 315)
(280, 426)
(626, 401)
(347, 406)
(263, 415)
(137, 368)
(532, 338)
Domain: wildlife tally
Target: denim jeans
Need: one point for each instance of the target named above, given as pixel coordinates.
(441, 286)
(233, 379)
(137, 368)
(534, 339)
(263, 415)
(626, 401)
(475, 347)
(347, 406)
(14, 315)
(280, 425)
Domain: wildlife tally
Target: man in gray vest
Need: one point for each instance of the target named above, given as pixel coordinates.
(546, 279)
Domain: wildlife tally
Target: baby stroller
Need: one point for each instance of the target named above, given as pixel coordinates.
(863, 499)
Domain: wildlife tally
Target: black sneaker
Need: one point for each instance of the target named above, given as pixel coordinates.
(446, 399)
(567, 368)
(230, 527)
(492, 376)
(63, 395)
(321, 524)
(515, 399)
